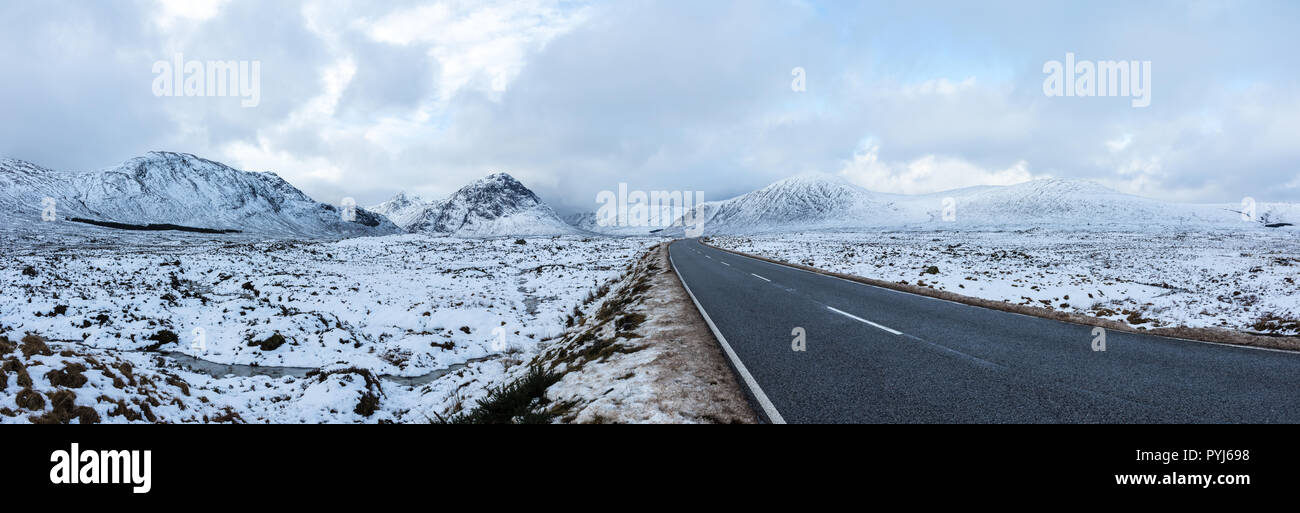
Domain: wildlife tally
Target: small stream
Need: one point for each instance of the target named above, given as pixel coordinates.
(221, 370)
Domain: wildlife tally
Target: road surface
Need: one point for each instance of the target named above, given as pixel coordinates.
(879, 355)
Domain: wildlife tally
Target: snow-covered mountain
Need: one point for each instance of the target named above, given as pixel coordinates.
(402, 209)
(1059, 202)
(493, 206)
(808, 201)
(177, 189)
(813, 202)
(647, 222)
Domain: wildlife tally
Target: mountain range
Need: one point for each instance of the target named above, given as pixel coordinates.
(164, 190)
(492, 206)
(826, 202)
(179, 191)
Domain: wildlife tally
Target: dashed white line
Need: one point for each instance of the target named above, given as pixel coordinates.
(724, 263)
(759, 277)
(859, 319)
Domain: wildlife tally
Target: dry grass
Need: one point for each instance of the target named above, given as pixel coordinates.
(644, 326)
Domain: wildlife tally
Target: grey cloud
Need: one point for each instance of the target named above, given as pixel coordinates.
(687, 95)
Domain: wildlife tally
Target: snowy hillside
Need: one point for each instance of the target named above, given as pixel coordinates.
(803, 202)
(493, 206)
(821, 202)
(402, 209)
(641, 220)
(1063, 203)
(177, 189)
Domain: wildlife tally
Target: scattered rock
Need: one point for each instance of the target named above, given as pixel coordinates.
(271, 343)
(163, 337)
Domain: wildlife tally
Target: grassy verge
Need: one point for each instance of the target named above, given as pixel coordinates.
(522, 401)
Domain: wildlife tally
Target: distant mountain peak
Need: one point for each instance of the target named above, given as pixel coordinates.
(499, 183)
(403, 196)
(812, 177)
(491, 206)
(1073, 185)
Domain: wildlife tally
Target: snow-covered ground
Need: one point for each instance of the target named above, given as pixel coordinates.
(1240, 279)
(382, 316)
(643, 354)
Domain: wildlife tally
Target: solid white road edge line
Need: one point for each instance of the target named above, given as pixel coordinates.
(859, 319)
(773, 416)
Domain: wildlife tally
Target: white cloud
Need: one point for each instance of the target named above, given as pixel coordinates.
(317, 115)
(940, 86)
(171, 11)
(1118, 144)
(930, 173)
(476, 43)
(294, 168)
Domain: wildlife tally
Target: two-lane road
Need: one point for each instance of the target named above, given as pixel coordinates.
(880, 355)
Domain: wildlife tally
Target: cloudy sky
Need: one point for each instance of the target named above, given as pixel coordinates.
(364, 98)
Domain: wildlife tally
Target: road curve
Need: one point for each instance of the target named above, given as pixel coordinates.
(879, 355)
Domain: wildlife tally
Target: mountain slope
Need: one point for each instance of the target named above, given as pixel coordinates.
(813, 202)
(402, 209)
(641, 219)
(1063, 203)
(179, 189)
(803, 202)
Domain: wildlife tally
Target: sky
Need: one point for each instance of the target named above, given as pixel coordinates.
(364, 99)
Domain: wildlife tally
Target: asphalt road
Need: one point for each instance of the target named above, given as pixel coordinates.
(880, 355)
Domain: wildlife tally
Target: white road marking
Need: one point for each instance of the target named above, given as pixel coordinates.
(759, 277)
(859, 319)
(724, 263)
(769, 409)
